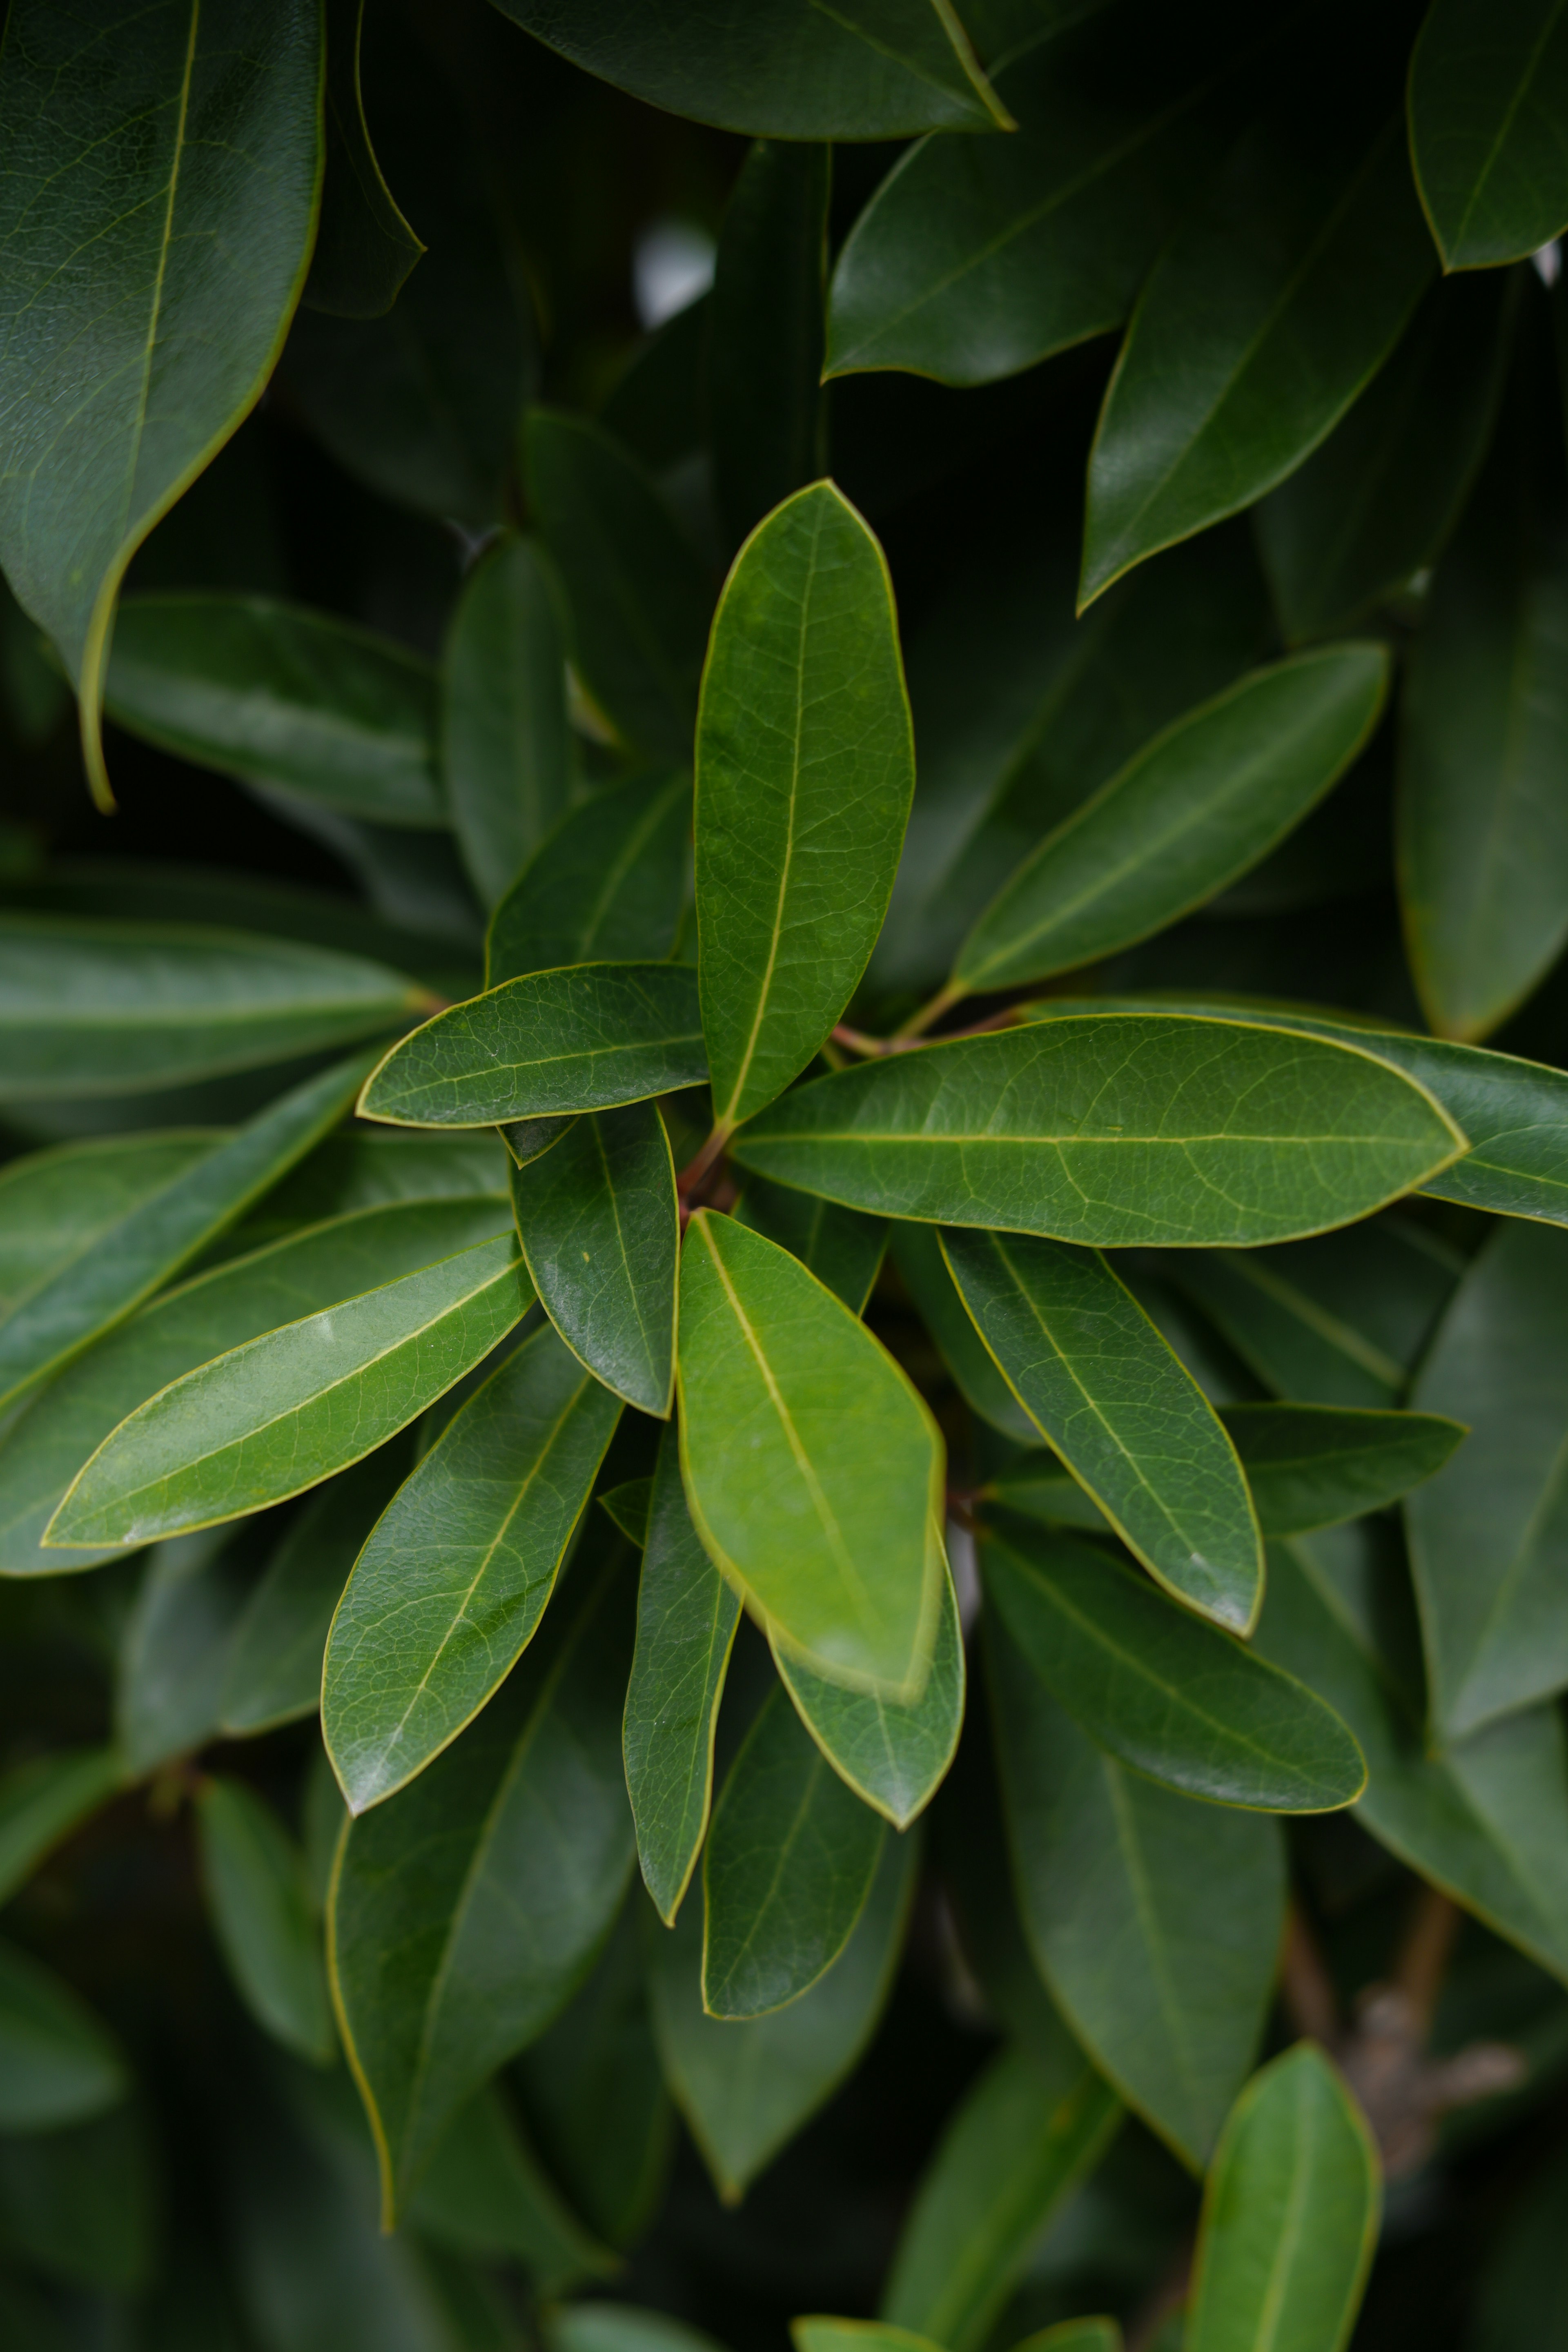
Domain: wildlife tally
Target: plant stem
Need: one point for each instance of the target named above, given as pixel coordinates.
(943, 1002)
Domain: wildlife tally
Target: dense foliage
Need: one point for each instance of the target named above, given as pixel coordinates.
(863, 959)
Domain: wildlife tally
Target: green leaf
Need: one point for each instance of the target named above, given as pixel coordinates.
(506, 748)
(805, 773)
(813, 1468)
(364, 248)
(282, 1411)
(1272, 307)
(925, 1274)
(465, 1913)
(840, 1246)
(1025, 2137)
(818, 2334)
(766, 327)
(528, 1139)
(274, 1666)
(178, 158)
(786, 1870)
(1308, 1465)
(1489, 1535)
(627, 1507)
(1192, 811)
(603, 2326)
(55, 1205)
(1378, 500)
(1290, 2214)
(1112, 1130)
(588, 1037)
(1173, 1697)
(457, 1572)
(608, 881)
(1115, 1878)
(276, 694)
(112, 1262)
(687, 1616)
(598, 1222)
(43, 1800)
(1075, 2336)
(745, 2086)
(254, 1877)
(1487, 89)
(173, 1654)
(640, 595)
(117, 1008)
(58, 2063)
(780, 68)
(485, 2192)
(1101, 1386)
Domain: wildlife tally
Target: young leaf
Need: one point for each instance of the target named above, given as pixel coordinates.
(506, 748)
(805, 772)
(1025, 2137)
(177, 157)
(812, 1466)
(745, 2086)
(1170, 1696)
(281, 1413)
(280, 695)
(840, 1246)
(1115, 1879)
(687, 1616)
(465, 1913)
(927, 1277)
(43, 1800)
(118, 1008)
(607, 882)
(588, 1037)
(458, 1568)
(173, 1654)
(255, 1880)
(1101, 1386)
(1195, 809)
(1308, 1465)
(58, 2063)
(1112, 1130)
(364, 248)
(765, 356)
(598, 1222)
(1290, 2214)
(1489, 87)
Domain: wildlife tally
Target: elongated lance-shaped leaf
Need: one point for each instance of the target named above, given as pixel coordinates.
(840, 1246)
(364, 248)
(254, 1877)
(627, 1505)
(58, 2063)
(360, 1168)
(127, 1258)
(917, 1253)
(300, 1274)
(506, 748)
(786, 1870)
(457, 1571)
(893, 1756)
(281, 1413)
(464, 1914)
(821, 2334)
(55, 1203)
(766, 334)
(1290, 2214)
(1488, 87)
(1173, 1697)
(157, 211)
(1105, 1389)
(805, 768)
(1195, 809)
(687, 1616)
(116, 1008)
(43, 1800)
(600, 1229)
(813, 1468)
(608, 881)
(1308, 1465)
(485, 2192)
(1113, 1130)
(589, 1037)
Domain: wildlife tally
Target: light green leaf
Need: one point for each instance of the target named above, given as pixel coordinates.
(1488, 85)
(1291, 2215)
(840, 1246)
(280, 695)
(485, 2192)
(116, 1008)
(282, 1411)
(1192, 811)
(687, 1616)
(463, 1913)
(457, 1572)
(745, 2086)
(818, 2334)
(813, 1468)
(1112, 1130)
(786, 1870)
(43, 1800)
(364, 248)
(598, 1222)
(1025, 2137)
(589, 1037)
(254, 1876)
(176, 156)
(1101, 1386)
(58, 2063)
(1308, 1465)
(805, 773)
(607, 882)
(765, 330)
(604, 2326)
(927, 1277)
(174, 1653)
(506, 748)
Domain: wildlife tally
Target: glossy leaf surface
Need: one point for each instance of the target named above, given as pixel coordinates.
(1310, 1465)
(840, 1246)
(58, 2063)
(606, 882)
(255, 1881)
(917, 1253)
(506, 748)
(56, 1204)
(1487, 89)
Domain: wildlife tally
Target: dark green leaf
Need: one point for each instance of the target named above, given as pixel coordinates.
(506, 748)
(924, 1272)
(173, 1656)
(56, 1205)
(607, 882)
(601, 2326)
(79, 2204)
(805, 773)
(817, 2334)
(42, 1801)
(627, 1507)
(58, 2063)
(766, 328)
(1489, 86)
(1076, 2336)
(1308, 1465)
(362, 1169)
(457, 1572)
(840, 1246)
(254, 1875)
(364, 248)
(528, 1139)
(485, 2192)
